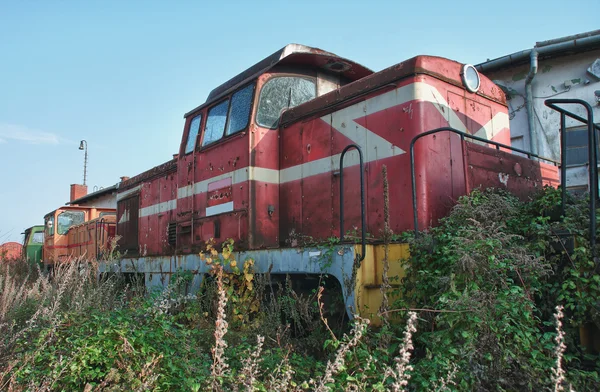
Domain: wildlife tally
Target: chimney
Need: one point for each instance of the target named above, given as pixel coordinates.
(78, 191)
(124, 178)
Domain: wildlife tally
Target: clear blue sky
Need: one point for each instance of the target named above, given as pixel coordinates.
(121, 74)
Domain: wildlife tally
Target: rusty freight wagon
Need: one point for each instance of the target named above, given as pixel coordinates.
(259, 162)
(11, 251)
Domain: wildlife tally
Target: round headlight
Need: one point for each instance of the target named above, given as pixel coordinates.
(470, 78)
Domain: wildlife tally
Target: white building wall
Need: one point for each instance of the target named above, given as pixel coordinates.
(549, 82)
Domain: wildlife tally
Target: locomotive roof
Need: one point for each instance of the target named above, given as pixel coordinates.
(32, 228)
(434, 66)
(77, 208)
(289, 54)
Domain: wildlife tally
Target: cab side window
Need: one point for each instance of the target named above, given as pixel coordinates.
(229, 116)
(193, 134)
(215, 123)
(241, 102)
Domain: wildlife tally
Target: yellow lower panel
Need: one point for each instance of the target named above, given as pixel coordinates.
(369, 278)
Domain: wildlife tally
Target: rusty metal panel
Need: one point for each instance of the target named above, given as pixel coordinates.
(91, 239)
(263, 192)
(150, 235)
(216, 165)
(168, 192)
(317, 208)
(493, 168)
(383, 122)
(290, 193)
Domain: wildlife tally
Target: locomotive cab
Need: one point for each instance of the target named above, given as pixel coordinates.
(33, 242)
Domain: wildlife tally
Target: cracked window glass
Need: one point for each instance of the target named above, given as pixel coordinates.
(67, 219)
(240, 110)
(215, 123)
(193, 134)
(282, 93)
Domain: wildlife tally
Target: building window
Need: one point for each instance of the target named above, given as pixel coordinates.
(577, 147)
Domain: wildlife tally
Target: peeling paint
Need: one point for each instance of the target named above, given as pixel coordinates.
(408, 110)
(503, 177)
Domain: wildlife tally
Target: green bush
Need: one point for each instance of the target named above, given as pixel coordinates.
(492, 274)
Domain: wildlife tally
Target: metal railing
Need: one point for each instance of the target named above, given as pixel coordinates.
(593, 157)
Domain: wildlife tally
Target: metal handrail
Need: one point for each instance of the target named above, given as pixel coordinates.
(362, 197)
(593, 156)
(463, 135)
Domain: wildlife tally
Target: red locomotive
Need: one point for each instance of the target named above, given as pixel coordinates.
(259, 162)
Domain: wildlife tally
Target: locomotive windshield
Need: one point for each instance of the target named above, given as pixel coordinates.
(282, 93)
(67, 219)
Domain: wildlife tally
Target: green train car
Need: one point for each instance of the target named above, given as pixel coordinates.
(33, 244)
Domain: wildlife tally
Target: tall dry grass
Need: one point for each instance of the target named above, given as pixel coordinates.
(33, 300)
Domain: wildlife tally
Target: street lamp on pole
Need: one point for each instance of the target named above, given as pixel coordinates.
(83, 146)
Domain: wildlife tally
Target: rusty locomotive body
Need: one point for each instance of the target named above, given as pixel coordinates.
(259, 163)
(77, 232)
